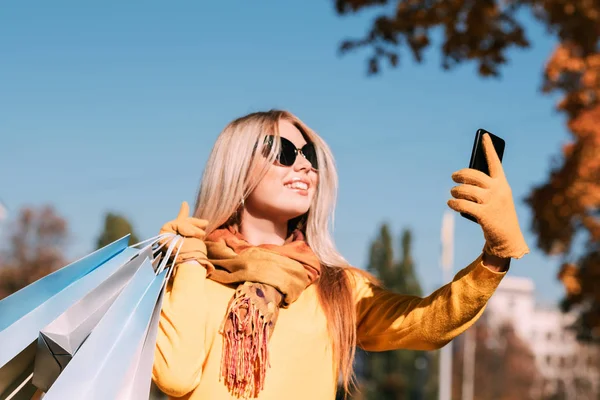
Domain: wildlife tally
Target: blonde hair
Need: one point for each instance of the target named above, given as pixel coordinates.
(234, 168)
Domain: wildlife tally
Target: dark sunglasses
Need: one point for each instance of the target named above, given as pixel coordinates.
(288, 152)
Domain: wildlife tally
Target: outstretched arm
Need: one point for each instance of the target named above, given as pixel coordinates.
(389, 321)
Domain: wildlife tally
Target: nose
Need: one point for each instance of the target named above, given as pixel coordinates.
(302, 163)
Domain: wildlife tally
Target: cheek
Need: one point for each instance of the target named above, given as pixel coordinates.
(270, 186)
(314, 180)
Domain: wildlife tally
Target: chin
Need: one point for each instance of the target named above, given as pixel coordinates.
(294, 210)
(289, 207)
(291, 213)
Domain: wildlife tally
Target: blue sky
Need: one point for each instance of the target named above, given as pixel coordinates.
(110, 106)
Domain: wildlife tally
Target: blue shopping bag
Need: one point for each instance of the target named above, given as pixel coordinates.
(100, 365)
(20, 333)
(24, 313)
(18, 304)
(116, 359)
(59, 341)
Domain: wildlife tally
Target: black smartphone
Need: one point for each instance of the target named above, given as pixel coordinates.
(478, 160)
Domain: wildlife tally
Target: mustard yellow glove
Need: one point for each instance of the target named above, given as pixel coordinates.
(192, 231)
(489, 199)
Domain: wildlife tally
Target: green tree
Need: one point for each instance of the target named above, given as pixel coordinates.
(115, 227)
(399, 374)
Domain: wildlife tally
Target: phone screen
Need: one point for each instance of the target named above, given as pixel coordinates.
(478, 160)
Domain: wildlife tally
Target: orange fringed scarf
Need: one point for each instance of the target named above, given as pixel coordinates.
(269, 277)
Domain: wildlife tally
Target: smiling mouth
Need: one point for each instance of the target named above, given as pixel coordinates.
(297, 185)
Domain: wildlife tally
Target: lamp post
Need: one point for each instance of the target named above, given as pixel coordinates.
(447, 236)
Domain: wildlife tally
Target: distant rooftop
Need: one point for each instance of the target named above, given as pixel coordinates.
(517, 284)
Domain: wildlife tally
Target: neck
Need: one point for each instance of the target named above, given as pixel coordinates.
(259, 231)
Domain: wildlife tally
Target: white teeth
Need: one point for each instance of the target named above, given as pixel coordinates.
(297, 185)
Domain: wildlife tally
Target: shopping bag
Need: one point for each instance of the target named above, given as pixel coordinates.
(24, 313)
(138, 380)
(15, 377)
(21, 333)
(18, 304)
(101, 364)
(98, 368)
(58, 341)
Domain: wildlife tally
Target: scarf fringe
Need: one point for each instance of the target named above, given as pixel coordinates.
(245, 354)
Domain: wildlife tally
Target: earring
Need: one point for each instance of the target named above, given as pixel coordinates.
(242, 202)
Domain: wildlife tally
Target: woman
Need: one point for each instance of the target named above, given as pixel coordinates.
(261, 305)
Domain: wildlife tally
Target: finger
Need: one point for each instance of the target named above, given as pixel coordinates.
(184, 211)
(470, 192)
(494, 163)
(189, 230)
(465, 206)
(472, 176)
(197, 222)
(169, 227)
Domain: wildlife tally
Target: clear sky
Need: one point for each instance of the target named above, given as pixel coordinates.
(114, 106)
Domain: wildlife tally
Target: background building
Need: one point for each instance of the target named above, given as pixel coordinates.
(567, 368)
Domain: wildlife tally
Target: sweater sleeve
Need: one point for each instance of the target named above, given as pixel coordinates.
(180, 345)
(389, 321)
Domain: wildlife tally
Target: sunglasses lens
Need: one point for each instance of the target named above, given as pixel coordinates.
(287, 154)
(287, 151)
(311, 155)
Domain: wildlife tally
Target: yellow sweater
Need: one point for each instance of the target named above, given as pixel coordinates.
(188, 352)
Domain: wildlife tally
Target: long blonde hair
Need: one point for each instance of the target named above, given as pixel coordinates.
(234, 168)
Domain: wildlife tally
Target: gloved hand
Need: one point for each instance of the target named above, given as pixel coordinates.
(489, 200)
(192, 231)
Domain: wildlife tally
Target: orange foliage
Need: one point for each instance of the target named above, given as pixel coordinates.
(568, 205)
(566, 208)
